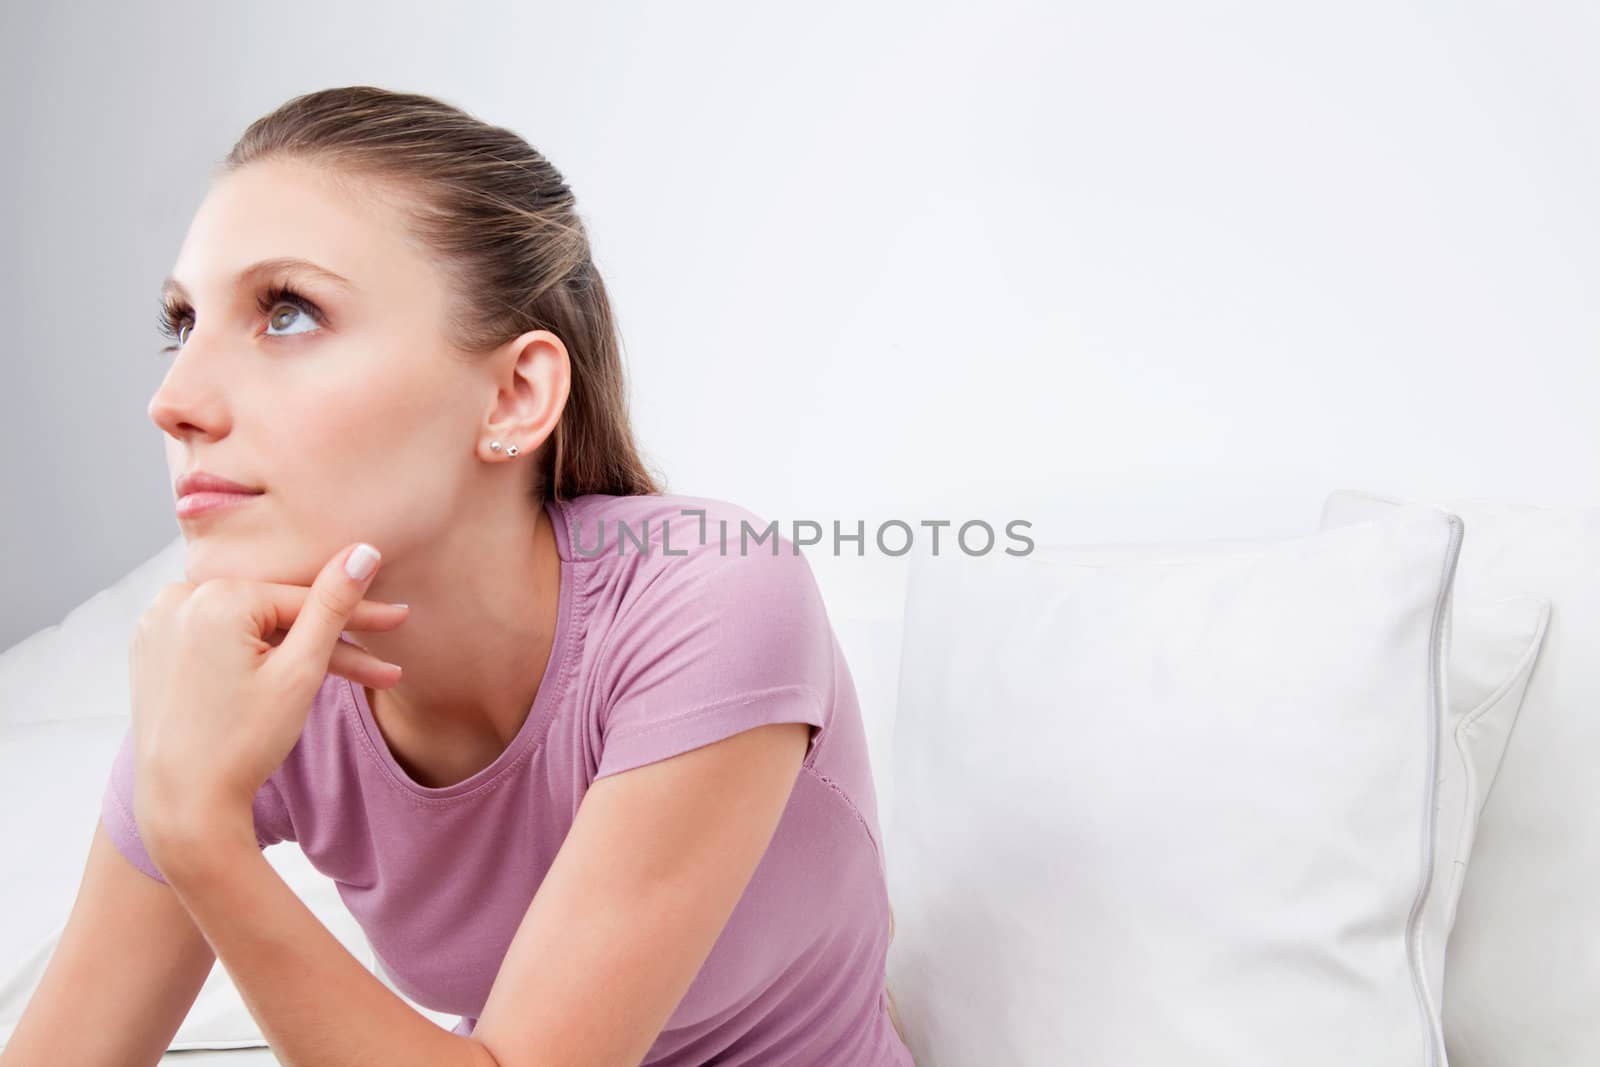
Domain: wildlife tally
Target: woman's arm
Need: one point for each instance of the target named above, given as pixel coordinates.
(122, 978)
(316, 1004)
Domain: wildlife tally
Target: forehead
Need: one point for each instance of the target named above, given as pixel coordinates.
(280, 210)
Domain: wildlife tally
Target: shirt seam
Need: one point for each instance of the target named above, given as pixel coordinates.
(845, 797)
(484, 789)
(625, 732)
(128, 823)
(132, 827)
(280, 812)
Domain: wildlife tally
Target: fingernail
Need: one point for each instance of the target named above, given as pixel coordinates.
(361, 561)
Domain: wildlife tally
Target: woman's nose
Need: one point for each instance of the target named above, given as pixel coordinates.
(185, 401)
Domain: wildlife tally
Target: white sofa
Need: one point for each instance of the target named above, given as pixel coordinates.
(1192, 784)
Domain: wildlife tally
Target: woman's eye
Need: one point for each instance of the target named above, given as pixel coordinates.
(284, 315)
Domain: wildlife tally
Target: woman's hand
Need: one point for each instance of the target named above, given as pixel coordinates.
(218, 703)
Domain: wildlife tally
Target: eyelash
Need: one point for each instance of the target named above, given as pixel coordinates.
(173, 312)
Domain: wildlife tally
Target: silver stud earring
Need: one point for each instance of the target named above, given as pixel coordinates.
(511, 450)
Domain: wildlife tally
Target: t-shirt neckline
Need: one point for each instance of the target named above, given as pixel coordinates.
(539, 714)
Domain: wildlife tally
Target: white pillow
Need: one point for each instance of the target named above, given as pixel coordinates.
(1522, 974)
(79, 666)
(1172, 810)
(1494, 646)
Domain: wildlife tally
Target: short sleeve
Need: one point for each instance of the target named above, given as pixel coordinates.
(715, 644)
(116, 812)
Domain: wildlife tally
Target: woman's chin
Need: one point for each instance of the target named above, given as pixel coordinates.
(206, 560)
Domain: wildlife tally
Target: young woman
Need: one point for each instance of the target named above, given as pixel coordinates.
(600, 786)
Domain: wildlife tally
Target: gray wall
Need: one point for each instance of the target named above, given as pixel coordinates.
(900, 250)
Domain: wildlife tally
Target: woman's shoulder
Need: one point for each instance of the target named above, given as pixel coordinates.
(696, 574)
(702, 638)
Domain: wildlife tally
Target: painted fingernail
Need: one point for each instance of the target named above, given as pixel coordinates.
(362, 561)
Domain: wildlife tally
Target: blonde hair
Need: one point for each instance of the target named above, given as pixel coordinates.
(503, 227)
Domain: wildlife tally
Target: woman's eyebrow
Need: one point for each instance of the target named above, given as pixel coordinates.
(172, 287)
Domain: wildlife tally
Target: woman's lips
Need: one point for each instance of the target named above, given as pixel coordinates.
(209, 501)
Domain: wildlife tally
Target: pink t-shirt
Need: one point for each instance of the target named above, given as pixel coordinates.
(668, 637)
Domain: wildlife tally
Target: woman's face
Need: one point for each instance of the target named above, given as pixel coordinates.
(351, 413)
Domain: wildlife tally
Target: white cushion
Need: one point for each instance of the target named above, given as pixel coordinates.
(864, 585)
(79, 666)
(1494, 646)
(1522, 973)
(1172, 810)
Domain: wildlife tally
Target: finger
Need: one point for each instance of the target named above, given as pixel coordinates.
(327, 608)
(351, 660)
(362, 667)
(376, 615)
